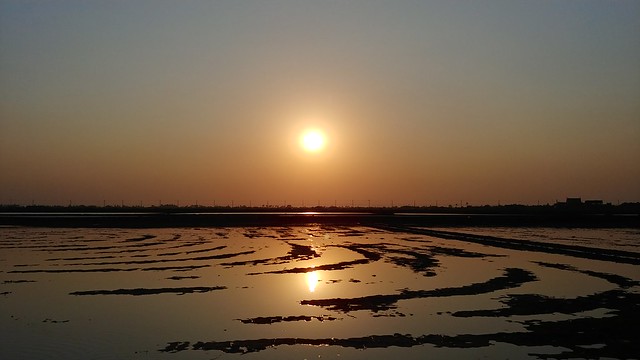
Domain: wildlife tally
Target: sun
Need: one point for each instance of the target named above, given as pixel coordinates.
(313, 141)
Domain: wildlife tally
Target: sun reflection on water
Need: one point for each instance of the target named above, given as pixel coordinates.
(312, 280)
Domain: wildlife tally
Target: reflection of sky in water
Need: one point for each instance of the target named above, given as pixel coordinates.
(37, 275)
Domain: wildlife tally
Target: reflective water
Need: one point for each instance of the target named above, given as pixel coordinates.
(625, 239)
(301, 292)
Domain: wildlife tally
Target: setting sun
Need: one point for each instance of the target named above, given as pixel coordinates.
(313, 140)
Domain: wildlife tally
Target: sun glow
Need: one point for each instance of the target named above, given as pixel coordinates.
(313, 140)
(312, 280)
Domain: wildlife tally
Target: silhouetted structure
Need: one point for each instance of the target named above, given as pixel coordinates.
(574, 202)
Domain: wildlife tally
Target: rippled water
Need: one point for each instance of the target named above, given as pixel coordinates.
(301, 292)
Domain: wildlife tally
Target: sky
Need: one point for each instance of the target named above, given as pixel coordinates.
(421, 102)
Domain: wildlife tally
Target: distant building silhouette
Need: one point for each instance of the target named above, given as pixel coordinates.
(577, 205)
(573, 202)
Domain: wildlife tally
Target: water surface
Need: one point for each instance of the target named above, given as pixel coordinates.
(307, 292)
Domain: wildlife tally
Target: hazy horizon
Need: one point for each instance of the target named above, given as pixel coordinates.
(479, 102)
(366, 204)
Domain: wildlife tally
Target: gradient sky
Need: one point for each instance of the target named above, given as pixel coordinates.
(477, 102)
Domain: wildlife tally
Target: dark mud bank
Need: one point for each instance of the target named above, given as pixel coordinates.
(161, 220)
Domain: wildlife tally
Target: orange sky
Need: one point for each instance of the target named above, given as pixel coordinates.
(448, 102)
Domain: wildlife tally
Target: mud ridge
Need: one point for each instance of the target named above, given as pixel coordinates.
(571, 250)
(277, 319)
(513, 277)
(140, 238)
(183, 277)
(533, 304)
(155, 261)
(297, 252)
(61, 271)
(327, 267)
(560, 334)
(622, 281)
(146, 291)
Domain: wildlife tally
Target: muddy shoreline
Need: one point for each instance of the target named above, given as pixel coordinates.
(165, 220)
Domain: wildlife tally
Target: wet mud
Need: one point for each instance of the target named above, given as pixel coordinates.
(140, 238)
(612, 336)
(155, 261)
(277, 319)
(62, 271)
(51, 321)
(206, 250)
(571, 250)
(297, 253)
(422, 260)
(512, 277)
(145, 291)
(327, 267)
(559, 334)
(178, 278)
(622, 281)
(534, 304)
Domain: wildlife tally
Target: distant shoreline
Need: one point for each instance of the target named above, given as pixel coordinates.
(235, 219)
(571, 206)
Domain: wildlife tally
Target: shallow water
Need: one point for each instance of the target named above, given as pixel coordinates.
(625, 239)
(302, 292)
